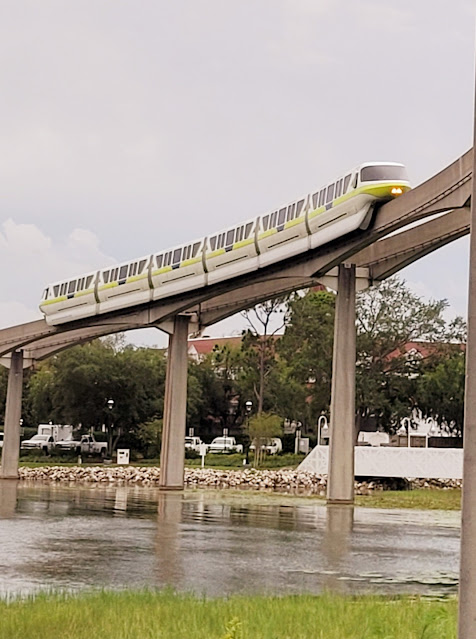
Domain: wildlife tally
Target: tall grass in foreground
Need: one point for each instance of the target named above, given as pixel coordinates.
(165, 615)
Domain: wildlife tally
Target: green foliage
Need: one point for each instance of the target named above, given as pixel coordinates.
(74, 387)
(306, 349)
(262, 427)
(149, 435)
(169, 615)
(441, 392)
(389, 317)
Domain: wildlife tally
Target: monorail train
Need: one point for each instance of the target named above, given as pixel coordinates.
(338, 208)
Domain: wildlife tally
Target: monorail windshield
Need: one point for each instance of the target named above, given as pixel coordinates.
(383, 172)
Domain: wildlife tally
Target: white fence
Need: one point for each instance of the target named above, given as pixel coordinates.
(370, 461)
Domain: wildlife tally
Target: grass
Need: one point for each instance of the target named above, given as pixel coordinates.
(424, 499)
(421, 499)
(165, 615)
(225, 462)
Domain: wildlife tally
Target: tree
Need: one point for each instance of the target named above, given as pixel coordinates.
(262, 427)
(259, 344)
(389, 318)
(440, 393)
(75, 386)
(305, 351)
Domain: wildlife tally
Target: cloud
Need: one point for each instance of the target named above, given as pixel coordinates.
(29, 259)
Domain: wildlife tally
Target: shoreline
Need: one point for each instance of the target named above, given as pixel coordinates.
(279, 480)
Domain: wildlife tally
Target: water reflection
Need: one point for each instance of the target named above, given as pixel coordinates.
(58, 536)
(336, 544)
(8, 497)
(167, 539)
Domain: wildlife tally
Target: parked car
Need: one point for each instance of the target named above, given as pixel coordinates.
(273, 446)
(193, 443)
(225, 445)
(86, 445)
(42, 442)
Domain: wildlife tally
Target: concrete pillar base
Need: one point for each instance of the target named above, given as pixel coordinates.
(11, 442)
(172, 454)
(340, 480)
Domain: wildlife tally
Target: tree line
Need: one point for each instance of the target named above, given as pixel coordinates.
(287, 375)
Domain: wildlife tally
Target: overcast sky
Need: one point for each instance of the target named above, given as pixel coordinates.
(131, 126)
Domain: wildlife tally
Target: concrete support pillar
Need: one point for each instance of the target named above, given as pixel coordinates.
(467, 573)
(11, 438)
(340, 484)
(172, 454)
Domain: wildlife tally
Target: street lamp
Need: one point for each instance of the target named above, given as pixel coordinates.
(110, 405)
(248, 407)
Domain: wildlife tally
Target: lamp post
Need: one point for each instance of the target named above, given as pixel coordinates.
(248, 407)
(110, 405)
(321, 425)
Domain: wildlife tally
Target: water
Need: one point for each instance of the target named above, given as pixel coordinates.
(216, 543)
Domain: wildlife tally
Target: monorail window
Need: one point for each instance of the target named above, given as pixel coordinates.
(130, 270)
(195, 248)
(248, 228)
(142, 263)
(322, 197)
(338, 188)
(299, 206)
(272, 220)
(105, 276)
(265, 222)
(80, 284)
(56, 290)
(168, 257)
(291, 211)
(89, 279)
(346, 183)
(158, 260)
(315, 200)
(114, 273)
(123, 272)
(213, 243)
(63, 288)
(221, 240)
(230, 236)
(177, 256)
(330, 193)
(239, 234)
(383, 172)
(45, 294)
(282, 216)
(71, 287)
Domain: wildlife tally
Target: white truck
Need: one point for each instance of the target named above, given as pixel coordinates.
(47, 436)
(87, 445)
(40, 442)
(57, 431)
(193, 443)
(272, 446)
(225, 445)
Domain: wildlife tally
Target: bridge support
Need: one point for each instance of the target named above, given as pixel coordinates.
(340, 484)
(11, 441)
(172, 454)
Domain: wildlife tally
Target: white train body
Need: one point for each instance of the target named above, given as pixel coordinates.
(336, 209)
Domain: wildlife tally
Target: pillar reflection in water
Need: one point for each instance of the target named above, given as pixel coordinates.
(8, 498)
(167, 541)
(336, 543)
